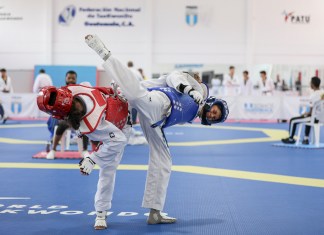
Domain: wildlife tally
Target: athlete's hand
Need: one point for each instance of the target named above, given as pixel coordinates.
(198, 98)
(86, 165)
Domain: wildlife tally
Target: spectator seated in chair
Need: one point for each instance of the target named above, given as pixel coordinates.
(305, 117)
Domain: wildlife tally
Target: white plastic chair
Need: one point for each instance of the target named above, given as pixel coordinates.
(317, 113)
(66, 140)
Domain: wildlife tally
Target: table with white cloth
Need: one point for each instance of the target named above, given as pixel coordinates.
(266, 107)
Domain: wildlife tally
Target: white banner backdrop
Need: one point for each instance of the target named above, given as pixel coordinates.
(158, 32)
(198, 31)
(23, 37)
(240, 107)
(200, 22)
(21, 105)
(288, 31)
(259, 107)
(122, 25)
(113, 20)
(265, 107)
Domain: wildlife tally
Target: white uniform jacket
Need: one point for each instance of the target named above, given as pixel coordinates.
(95, 125)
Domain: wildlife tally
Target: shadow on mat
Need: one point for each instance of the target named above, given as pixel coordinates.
(180, 226)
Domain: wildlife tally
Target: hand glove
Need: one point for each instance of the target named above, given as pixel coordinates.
(86, 165)
(198, 98)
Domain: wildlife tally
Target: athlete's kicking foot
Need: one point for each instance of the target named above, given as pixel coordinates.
(155, 217)
(96, 44)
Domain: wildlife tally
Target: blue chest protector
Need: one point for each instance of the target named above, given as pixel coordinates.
(184, 108)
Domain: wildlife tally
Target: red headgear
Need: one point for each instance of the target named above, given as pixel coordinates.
(55, 101)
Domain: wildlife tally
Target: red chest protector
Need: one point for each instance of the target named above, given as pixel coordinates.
(117, 111)
(104, 100)
(117, 108)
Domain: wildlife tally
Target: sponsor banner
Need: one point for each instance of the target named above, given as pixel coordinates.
(191, 15)
(21, 13)
(7, 14)
(293, 22)
(240, 107)
(187, 22)
(294, 106)
(295, 18)
(232, 106)
(112, 19)
(259, 107)
(100, 16)
(22, 24)
(265, 107)
(21, 105)
(23, 33)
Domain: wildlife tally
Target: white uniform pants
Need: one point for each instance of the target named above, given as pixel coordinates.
(108, 158)
(152, 107)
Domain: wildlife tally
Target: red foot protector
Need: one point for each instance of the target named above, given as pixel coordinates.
(59, 155)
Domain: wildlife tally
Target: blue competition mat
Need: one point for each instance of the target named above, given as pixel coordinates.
(226, 180)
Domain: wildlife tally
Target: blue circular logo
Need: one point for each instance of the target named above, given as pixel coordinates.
(67, 15)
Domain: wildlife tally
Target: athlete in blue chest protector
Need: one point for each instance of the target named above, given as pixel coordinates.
(176, 98)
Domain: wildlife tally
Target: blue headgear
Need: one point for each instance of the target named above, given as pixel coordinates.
(210, 101)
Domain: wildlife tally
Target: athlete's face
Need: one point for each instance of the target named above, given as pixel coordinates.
(231, 72)
(214, 114)
(245, 76)
(263, 76)
(4, 75)
(70, 79)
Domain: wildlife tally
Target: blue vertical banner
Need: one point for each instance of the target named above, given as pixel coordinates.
(16, 106)
(191, 15)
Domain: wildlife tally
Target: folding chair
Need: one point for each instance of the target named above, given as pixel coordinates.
(66, 140)
(317, 114)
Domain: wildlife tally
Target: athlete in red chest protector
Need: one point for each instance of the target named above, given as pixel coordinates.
(175, 98)
(102, 115)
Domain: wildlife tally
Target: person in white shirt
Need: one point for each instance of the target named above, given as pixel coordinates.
(5, 82)
(246, 85)
(266, 85)
(138, 75)
(305, 117)
(140, 70)
(42, 80)
(5, 87)
(3, 116)
(231, 82)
